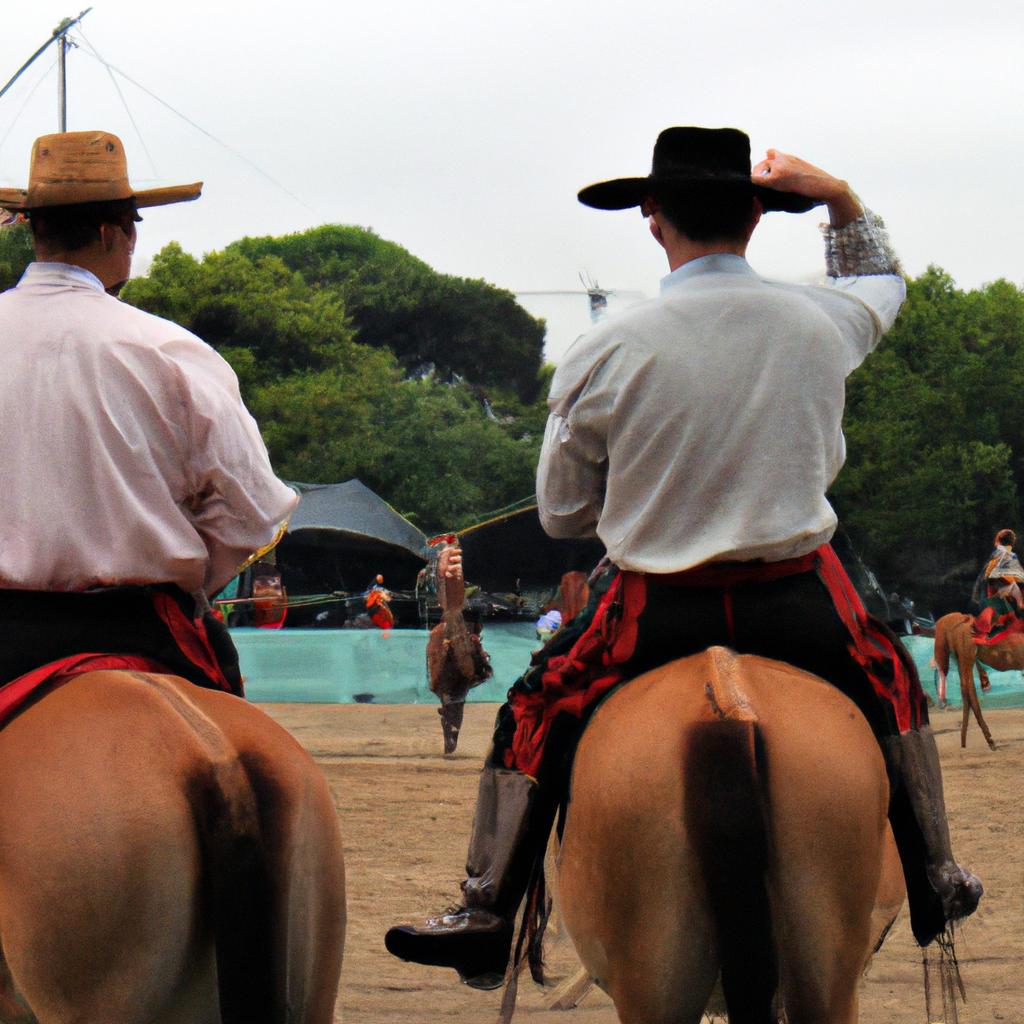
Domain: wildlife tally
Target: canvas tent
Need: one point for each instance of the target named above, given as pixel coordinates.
(343, 535)
(510, 552)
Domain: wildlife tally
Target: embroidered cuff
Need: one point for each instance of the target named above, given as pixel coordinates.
(860, 248)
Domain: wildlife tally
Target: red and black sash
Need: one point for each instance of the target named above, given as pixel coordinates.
(573, 681)
(48, 638)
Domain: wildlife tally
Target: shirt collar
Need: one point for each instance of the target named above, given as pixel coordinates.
(717, 262)
(66, 274)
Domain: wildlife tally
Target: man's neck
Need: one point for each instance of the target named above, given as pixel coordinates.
(98, 266)
(683, 250)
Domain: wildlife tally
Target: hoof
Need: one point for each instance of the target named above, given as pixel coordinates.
(991, 744)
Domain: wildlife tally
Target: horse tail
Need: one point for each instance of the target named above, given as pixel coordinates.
(726, 811)
(239, 894)
(275, 886)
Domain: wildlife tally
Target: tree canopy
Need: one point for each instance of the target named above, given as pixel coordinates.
(15, 253)
(459, 327)
(934, 422)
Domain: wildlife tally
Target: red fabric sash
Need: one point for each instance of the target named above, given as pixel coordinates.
(872, 647)
(19, 692)
(190, 636)
(989, 629)
(574, 682)
(732, 574)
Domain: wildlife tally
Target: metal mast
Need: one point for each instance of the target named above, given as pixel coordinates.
(60, 37)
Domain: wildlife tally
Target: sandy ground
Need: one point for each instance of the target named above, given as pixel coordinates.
(405, 812)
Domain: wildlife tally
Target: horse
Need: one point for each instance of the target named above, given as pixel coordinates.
(168, 854)
(954, 634)
(728, 819)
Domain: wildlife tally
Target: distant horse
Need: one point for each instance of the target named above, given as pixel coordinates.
(168, 855)
(728, 818)
(954, 634)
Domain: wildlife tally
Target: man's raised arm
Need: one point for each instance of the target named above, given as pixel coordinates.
(858, 256)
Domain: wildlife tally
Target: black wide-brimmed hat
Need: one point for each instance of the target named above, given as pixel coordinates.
(689, 157)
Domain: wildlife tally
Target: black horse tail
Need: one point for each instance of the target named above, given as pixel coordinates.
(727, 819)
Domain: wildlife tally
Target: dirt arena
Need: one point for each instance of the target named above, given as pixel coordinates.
(405, 812)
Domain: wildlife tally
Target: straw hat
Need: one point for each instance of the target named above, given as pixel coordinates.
(85, 167)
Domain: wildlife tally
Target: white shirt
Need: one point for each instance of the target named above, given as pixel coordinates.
(128, 456)
(706, 424)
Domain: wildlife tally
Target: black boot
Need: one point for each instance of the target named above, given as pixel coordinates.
(476, 938)
(938, 889)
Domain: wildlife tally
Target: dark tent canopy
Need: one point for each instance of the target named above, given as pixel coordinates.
(339, 538)
(351, 515)
(511, 552)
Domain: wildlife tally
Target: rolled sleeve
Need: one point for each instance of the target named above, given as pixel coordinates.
(861, 263)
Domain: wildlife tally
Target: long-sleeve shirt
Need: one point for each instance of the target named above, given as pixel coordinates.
(128, 456)
(706, 424)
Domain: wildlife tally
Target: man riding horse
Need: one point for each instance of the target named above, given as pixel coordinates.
(1002, 606)
(137, 483)
(697, 434)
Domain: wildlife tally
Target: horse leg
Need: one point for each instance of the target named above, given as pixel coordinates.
(986, 683)
(973, 703)
(643, 931)
(277, 904)
(969, 695)
(965, 663)
(826, 926)
(941, 687)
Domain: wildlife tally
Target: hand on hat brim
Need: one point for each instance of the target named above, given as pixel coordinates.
(623, 193)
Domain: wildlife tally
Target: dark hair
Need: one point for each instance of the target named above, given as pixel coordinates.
(70, 228)
(708, 212)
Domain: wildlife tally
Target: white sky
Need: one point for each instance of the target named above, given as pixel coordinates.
(462, 129)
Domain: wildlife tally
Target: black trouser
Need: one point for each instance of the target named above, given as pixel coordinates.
(37, 627)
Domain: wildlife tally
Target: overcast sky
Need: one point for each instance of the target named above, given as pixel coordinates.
(462, 129)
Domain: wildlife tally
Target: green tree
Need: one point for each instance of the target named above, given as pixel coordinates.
(235, 303)
(463, 328)
(934, 434)
(16, 253)
(440, 449)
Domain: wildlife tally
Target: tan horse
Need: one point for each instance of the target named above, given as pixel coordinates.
(168, 855)
(728, 818)
(954, 635)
